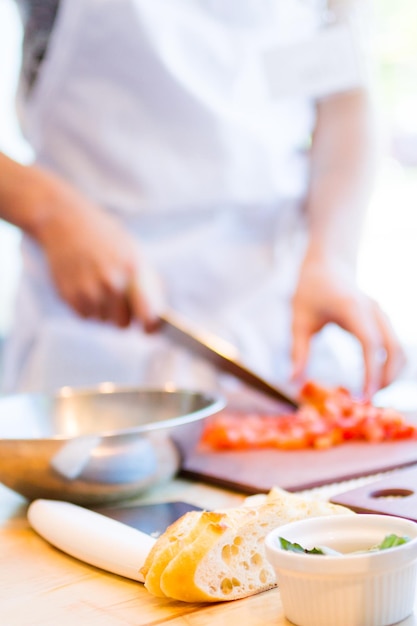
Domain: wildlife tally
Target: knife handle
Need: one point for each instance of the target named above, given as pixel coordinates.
(91, 537)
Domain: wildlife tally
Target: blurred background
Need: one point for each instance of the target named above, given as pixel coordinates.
(388, 259)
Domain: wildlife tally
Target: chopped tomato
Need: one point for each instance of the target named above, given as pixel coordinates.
(326, 417)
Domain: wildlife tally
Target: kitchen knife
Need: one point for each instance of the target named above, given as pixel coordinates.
(91, 537)
(152, 518)
(220, 353)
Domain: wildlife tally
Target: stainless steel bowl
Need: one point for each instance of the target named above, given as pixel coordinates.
(98, 445)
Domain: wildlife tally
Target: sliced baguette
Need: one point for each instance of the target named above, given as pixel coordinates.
(167, 547)
(225, 562)
(220, 556)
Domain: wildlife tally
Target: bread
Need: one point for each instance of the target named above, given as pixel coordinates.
(217, 556)
(167, 547)
(177, 537)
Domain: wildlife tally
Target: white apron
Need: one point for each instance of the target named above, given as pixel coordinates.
(159, 110)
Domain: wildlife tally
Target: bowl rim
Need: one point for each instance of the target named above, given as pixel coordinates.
(216, 402)
(406, 552)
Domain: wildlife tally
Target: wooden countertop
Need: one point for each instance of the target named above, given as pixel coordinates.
(42, 586)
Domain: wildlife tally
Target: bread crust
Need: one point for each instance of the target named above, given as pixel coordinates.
(166, 547)
(200, 573)
(220, 555)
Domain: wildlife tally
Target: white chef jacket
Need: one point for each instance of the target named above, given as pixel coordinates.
(161, 112)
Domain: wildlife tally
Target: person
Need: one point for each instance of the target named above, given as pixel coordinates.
(188, 156)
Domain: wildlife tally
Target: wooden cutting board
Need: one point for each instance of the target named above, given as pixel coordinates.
(395, 494)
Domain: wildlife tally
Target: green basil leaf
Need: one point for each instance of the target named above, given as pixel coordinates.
(295, 547)
(390, 541)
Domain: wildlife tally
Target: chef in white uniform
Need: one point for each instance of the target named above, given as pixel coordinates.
(219, 146)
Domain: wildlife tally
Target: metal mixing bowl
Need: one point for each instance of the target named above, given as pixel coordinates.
(99, 445)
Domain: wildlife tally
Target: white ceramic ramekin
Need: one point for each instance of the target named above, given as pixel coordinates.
(362, 589)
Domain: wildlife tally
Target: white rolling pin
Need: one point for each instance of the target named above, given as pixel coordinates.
(91, 537)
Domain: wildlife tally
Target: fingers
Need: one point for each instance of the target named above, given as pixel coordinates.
(103, 305)
(383, 355)
(141, 308)
(301, 334)
(146, 298)
(101, 298)
(117, 298)
(120, 308)
(116, 310)
(394, 358)
(113, 302)
(94, 261)
(373, 356)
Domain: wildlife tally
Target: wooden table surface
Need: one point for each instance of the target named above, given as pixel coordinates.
(42, 586)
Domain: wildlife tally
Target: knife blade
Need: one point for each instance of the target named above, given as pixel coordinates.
(220, 353)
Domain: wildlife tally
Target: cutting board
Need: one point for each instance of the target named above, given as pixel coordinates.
(395, 494)
(257, 471)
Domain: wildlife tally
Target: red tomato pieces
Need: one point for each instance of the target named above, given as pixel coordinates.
(326, 417)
